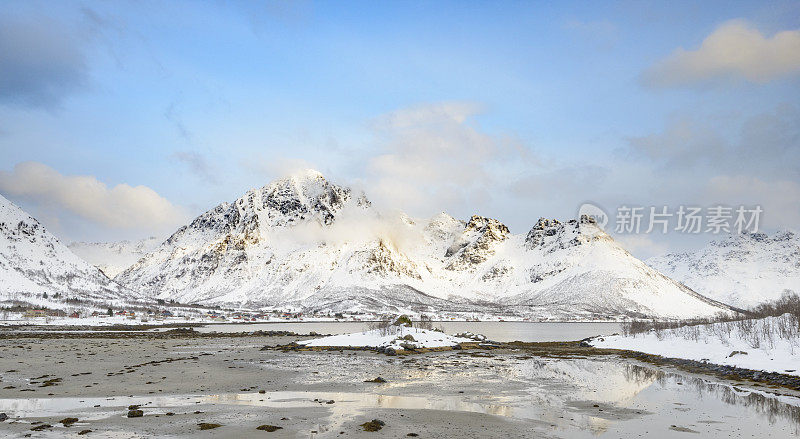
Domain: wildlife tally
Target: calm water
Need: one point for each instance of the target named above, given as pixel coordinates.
(497, 331)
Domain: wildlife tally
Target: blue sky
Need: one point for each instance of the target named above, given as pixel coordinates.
(547, 104)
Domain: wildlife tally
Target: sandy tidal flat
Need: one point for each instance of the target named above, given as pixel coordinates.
(181, 383)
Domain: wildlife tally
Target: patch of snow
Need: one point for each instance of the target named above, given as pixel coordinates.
(754, 344)
(396, 337)
(92, 321)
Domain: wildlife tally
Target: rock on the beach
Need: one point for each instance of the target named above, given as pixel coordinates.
(373, 425)
(267, 427)
(376, 380)
(135, 413)
(208, 426)
(66, 422)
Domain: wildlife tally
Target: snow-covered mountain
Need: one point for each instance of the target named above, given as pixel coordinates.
(307, 243)
(114, 257)
(741, 270)
(33, 262)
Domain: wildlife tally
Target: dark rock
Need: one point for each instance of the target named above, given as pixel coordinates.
(269, 428)
(408, 346)
(83, 432)
(208, 426)
(376, 380)
(135, 413)
(66, 422)
(373, 425)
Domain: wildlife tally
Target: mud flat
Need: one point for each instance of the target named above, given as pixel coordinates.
(228, 386)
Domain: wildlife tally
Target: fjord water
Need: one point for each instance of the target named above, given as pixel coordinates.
(495, 331)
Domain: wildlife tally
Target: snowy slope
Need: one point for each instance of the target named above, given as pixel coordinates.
(575, 267)
(114, 257)
(770, 344)
(34, 262)
(306, 243)
(741, 270)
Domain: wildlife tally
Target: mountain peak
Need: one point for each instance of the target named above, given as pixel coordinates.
(302, 195)
(303, 175)
(477, 242)
(574, 232)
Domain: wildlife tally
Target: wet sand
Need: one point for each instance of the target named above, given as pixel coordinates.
(232, 382)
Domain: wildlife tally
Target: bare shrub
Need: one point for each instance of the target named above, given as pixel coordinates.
(760, 327)
(384, 325)
(424, 322)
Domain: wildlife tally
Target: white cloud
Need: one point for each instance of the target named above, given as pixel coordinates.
(735, 49)
(119, 207)
(642, 246)
(433, 158)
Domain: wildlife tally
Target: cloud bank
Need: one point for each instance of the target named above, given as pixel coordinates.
(734, 50)
(703, 162)
(432, 157)
(118, 207)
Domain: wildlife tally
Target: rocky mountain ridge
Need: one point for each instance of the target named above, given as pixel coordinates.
(307, 243)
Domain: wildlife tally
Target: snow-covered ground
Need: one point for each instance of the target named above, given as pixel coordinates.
(396, 337)
(93, 321)
(771, 344)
